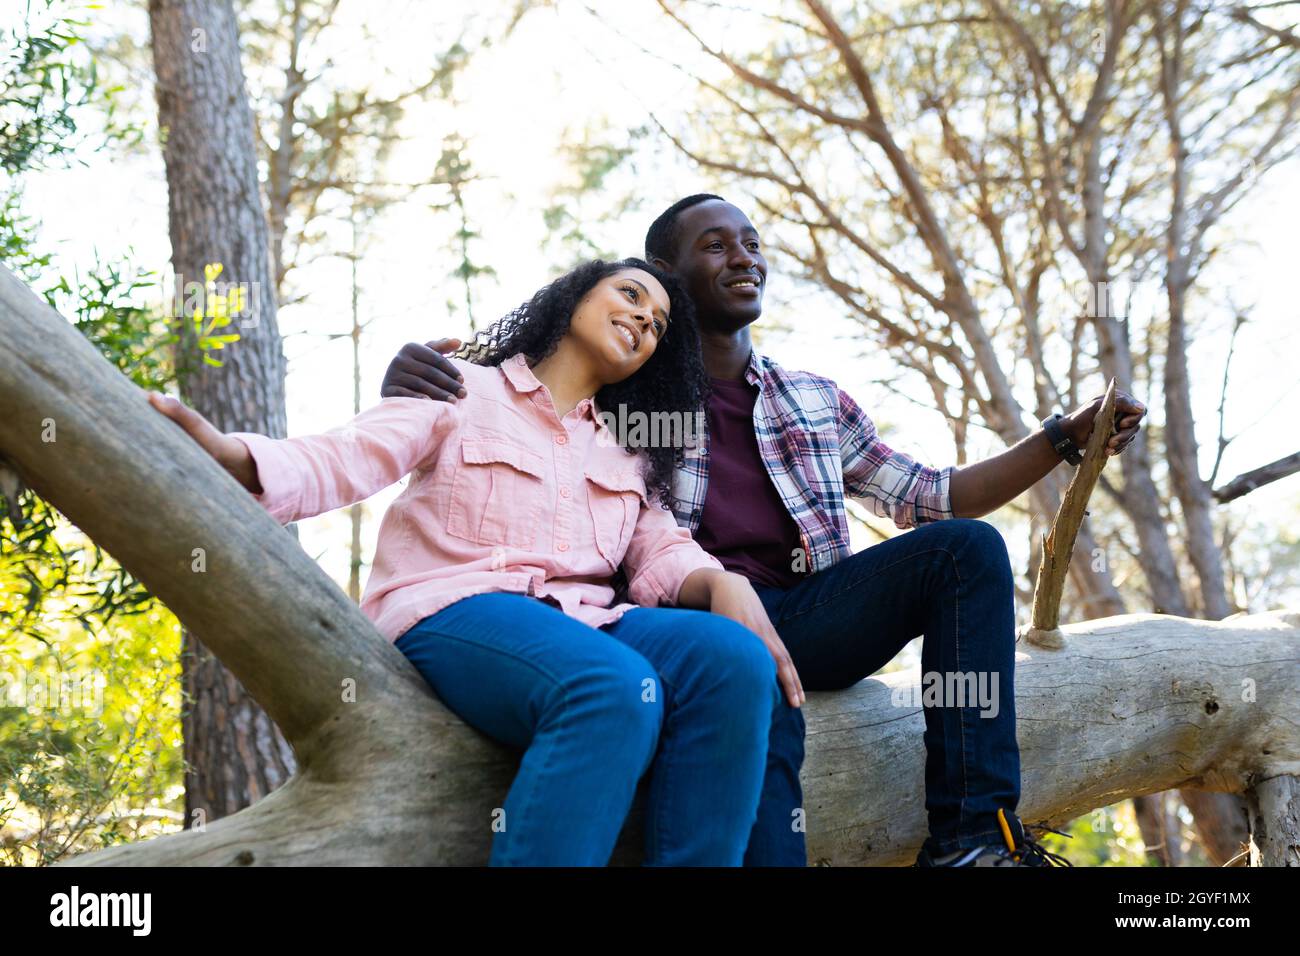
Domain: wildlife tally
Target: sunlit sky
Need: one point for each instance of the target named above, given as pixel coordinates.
(517, 103)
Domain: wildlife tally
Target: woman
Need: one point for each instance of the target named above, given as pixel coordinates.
(493, 572)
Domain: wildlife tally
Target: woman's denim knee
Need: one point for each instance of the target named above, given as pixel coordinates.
(621, 705)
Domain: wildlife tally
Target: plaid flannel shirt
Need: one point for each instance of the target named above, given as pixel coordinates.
(818, 446)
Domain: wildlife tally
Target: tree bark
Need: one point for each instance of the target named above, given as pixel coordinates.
(1274, 809)
(1221, 822)
(234, 753)
(1153, 824)
(355, 512)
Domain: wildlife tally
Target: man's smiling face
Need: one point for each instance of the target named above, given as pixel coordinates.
(719, 257)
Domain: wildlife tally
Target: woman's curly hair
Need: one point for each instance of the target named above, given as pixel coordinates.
(672, 380)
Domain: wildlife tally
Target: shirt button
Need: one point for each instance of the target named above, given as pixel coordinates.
(564, 492)
(560, 439)
(562, 546)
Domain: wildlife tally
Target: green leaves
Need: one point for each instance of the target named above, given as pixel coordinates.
(41, 86)
(214, 312)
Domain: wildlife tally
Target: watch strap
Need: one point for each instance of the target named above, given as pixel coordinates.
(1060, 441)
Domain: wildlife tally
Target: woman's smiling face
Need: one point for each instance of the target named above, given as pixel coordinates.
(620, 322)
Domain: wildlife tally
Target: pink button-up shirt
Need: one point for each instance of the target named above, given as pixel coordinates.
(504, 495)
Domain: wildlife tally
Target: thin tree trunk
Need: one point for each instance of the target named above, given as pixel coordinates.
(355, 512)
(1139, 497)
(1221, 822)
(1274, 811)
(234, 753)
(280, 167)
(1153, 825)
(1180, 427)
(1180, 440)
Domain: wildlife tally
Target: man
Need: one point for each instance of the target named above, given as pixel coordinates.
(765, 495)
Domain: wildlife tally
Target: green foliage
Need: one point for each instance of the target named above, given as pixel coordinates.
(89, 692)
(15, 246)
(41, 85)
(71, 780)
(103, 304)
(211, 313)
(1109, 836)
(90, 746)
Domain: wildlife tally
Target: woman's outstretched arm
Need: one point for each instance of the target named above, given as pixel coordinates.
(295, 478)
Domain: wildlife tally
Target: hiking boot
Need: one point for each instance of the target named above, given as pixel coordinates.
(1026, 852)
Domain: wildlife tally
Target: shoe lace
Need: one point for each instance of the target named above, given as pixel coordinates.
(1031, 849)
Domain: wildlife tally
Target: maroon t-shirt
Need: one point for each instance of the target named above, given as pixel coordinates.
(744, 524)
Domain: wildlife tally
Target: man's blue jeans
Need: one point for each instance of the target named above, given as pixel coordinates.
(686, 694)
(950, 582)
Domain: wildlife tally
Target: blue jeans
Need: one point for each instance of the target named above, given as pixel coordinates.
(950, 582)
(684, 694)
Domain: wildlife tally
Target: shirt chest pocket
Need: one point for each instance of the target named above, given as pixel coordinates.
(496, 493)
(615, 497)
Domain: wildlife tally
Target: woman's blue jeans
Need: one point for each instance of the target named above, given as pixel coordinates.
(686, 695)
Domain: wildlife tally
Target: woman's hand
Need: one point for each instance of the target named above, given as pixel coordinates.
(230, 453)
(731, 595)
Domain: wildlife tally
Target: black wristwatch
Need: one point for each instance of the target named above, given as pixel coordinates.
(1060, 440)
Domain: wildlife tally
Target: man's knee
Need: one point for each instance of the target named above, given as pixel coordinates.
(979, 544)
(978, 534)
(788, 729)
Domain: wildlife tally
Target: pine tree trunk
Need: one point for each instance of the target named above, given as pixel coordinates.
(234, 753)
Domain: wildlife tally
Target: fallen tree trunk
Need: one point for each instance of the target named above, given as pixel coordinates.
(1129, 705)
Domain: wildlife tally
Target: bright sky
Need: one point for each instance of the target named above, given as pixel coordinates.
(560, 72)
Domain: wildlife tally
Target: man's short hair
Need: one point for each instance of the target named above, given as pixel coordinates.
(662, 237)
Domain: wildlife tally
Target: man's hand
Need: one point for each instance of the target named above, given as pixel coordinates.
(1128, 419)
(732, 596)
(976, 490)
(230, 453)
(420, 370)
